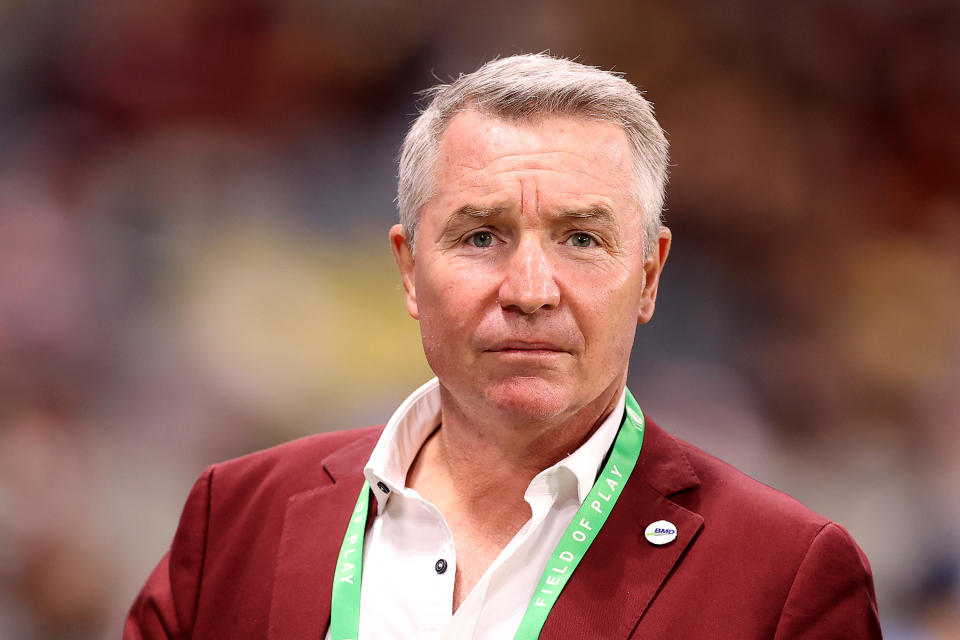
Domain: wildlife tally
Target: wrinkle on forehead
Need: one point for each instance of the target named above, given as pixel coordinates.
(501, 139)
(608, 178)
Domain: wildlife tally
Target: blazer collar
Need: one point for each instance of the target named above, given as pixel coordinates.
(313, 530)
(621, 573)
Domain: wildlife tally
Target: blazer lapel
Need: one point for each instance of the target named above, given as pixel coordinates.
(621, 572)
(313, 530)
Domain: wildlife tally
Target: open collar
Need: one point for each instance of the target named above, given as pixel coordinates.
(605, 597)
(419, 415)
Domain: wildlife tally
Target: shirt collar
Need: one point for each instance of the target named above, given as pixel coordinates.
(405, 432)
(417, 417)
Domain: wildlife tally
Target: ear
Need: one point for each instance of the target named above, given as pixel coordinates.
(653, 267)
(403, 254)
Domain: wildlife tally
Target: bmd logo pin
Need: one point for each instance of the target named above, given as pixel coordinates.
(660, 532)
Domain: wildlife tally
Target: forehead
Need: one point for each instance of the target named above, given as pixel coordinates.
(478, 143)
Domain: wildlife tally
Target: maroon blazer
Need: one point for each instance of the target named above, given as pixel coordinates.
(255, 552)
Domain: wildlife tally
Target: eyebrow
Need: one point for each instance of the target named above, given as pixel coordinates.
(597, 213)
(468, 214)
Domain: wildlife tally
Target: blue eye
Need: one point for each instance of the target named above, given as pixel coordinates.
(481, 239)
(582, 240)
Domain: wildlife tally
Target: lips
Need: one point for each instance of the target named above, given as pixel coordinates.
(526, 345)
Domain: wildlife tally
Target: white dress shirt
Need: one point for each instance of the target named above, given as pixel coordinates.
(406, 591)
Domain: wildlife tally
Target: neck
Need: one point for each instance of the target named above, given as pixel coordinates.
(481, 457)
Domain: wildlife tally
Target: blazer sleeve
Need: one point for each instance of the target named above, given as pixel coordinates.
(832, 595)
(167, 605)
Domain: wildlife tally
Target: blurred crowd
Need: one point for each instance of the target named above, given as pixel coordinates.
(194, 198)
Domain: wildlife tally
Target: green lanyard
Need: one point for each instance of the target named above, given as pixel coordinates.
(345, 606)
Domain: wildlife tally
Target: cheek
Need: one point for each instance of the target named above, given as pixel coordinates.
(449, 320)
(609, 319)
(450, 303)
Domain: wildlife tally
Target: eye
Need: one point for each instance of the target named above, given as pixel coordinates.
(481, 239)
(582, 240)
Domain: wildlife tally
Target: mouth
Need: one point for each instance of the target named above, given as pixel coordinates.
(523, 347)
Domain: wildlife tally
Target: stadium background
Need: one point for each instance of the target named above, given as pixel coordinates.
(194, 197)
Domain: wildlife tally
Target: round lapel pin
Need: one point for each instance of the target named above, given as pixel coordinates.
(661, 532)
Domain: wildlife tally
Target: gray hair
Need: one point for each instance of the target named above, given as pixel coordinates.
(530, 86)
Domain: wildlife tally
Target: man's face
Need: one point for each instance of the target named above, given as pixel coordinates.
(529, 276)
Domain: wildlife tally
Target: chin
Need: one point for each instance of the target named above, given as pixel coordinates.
(530, 398)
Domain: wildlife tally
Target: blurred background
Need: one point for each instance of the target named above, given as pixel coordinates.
(194, 199)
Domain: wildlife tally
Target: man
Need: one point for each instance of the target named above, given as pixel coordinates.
(522, 492)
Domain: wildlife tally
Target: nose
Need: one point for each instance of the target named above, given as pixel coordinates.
(530, 282)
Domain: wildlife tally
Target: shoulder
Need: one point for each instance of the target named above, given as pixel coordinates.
(716, 490)
(252, 490)
(224, 553)
(295, 466)
(742, 517)
(235, 512)
(773, 561)
(304, 453)
(772, 522)
(728, 490)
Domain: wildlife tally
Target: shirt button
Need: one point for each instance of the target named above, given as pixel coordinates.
(441, 565)
(383, 487)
